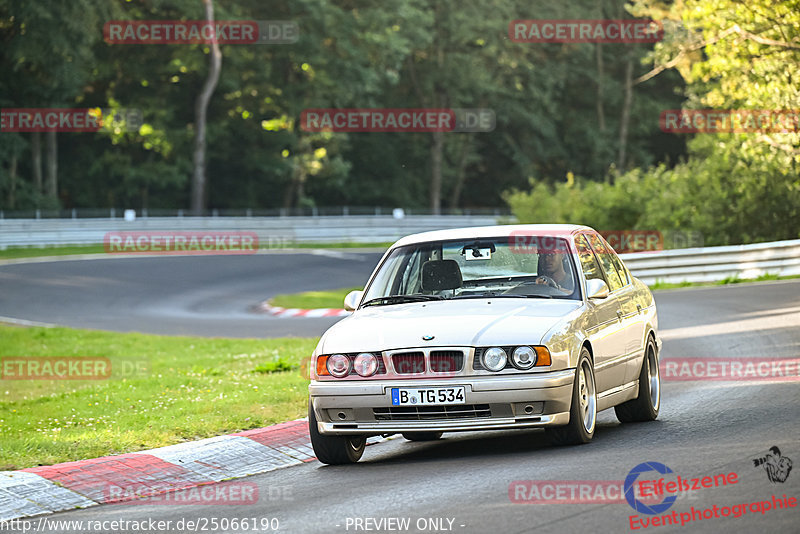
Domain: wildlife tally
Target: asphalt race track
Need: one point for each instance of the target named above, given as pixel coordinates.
(186, 295)
(705, 428)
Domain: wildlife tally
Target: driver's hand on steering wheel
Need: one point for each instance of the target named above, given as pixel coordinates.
(543, 279)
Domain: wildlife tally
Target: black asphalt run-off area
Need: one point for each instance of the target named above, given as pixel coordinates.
(704, 429)
(186, 295)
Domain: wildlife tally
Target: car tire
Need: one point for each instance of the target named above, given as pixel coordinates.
(422, 436)
(334, 450)
(646, 405)
(583, 408)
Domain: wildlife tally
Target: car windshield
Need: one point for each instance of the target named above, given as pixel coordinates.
(487, 267)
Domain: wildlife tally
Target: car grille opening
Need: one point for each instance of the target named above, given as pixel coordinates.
(407, 363)
(425, 413)
(446, 361)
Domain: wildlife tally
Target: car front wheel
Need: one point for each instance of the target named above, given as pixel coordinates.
(334, 450)
(583, 409)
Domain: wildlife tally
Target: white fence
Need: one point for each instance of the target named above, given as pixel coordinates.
(716, 263)
(690, 264)
(271, 231)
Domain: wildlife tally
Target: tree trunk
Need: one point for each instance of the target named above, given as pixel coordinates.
(626, 115)
(12, 178)
(201, 108)
(51, 165)
(289, 194)
(601, 116)
(436, 172)
(462, 171)
(437, 146)
(36, 160)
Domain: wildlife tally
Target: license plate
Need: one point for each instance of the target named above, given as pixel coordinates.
(428, 396)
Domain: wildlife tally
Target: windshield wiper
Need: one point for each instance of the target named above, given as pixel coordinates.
(501, 295)
(399, 299)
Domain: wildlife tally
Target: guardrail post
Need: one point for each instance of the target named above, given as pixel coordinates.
(112, 213)
(38, 213)
(345, 211)
(249, 213)
(74, 213)
(144, 213)
(180, 213)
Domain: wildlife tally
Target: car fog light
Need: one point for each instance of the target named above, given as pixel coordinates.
(365, 364)
(523, 357)
(494, 359)
(338, 365)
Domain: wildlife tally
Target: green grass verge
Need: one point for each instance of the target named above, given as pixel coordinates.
(36, 252)
(726, 281)
(191, 388)
(333, 298)
(341, 245)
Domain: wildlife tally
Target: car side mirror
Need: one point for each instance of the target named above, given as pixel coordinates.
(352, 299)
(596, 289)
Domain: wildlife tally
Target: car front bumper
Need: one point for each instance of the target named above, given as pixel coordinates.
(492, 403)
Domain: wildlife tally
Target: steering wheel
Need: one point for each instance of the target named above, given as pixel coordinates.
(547, 280)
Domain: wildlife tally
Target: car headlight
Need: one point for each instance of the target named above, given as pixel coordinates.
(523, 357)
(494, 359)
(365, 364)
(338, 365)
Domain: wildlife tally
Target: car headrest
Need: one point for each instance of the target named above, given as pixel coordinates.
(438, 275)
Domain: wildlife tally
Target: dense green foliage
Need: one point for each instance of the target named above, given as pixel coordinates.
(733, 187)
(363, 53)
(561, 109)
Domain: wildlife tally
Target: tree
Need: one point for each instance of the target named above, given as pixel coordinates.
(201, 108)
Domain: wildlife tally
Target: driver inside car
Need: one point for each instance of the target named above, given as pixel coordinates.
(552, 273)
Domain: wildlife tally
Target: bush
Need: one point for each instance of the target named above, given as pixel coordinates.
(727, 194)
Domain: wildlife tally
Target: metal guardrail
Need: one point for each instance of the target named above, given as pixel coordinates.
(310, 211)
(674, 266)
(272, 231)
(711, 264)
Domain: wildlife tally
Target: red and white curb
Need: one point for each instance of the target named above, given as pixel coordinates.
(277, 311)
(54, 488)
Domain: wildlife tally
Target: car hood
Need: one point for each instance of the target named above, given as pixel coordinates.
(472, 322)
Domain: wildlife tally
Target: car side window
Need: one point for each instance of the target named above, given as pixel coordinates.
(604, 253)
(588, 263)
(623, 273)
